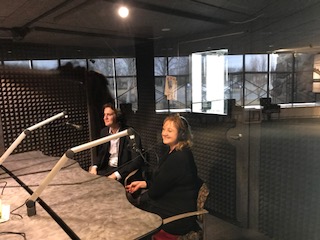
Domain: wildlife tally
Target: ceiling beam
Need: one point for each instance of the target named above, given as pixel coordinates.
(173, 12)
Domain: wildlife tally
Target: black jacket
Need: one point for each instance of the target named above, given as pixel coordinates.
(129, 156)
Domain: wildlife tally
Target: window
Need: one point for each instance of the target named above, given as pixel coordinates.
(120, 76)
(19, 64)
(126, 81)
(104, 66)
(255, 88)
(285, 78)
(45, 64)
(209, 82)
(74, 62)
(177, 67)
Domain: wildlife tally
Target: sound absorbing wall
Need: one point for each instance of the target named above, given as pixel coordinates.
(28, 97)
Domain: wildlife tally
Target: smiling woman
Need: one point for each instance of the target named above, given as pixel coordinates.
(173, 188)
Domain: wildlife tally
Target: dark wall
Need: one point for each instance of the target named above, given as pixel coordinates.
(289, 179)
(28, 97)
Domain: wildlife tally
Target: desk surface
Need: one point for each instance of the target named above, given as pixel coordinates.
(93, 207)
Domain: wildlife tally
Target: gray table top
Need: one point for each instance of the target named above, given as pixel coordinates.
(93, 207)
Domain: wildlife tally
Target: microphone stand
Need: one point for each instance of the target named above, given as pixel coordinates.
(30, 203)
(27, 132)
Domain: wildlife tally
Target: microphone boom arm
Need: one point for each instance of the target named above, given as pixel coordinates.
(27, 132)
(30, 203)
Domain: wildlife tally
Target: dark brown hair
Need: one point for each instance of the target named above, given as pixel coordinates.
(119, 116)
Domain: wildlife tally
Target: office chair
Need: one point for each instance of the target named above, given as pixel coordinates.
(202, 198)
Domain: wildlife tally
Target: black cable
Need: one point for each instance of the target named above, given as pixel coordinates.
(61, 184)
(15, 233)
(5, 184)
(148, 150)
(42, 171)
(58, 220)
(12, 212)
(35, 164)
(126, 163)
(16, 214)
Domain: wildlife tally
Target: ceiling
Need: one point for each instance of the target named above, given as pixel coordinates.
(175, 26)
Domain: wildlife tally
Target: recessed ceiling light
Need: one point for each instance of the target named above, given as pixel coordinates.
(123, 11)
(165, 29)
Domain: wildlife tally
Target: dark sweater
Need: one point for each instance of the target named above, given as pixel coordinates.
(173, 189)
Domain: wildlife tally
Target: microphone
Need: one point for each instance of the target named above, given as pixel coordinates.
(76, 126)
(131, 133)
(133, 142)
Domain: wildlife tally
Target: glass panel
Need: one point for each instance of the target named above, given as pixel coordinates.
(255, 88)
(45, 64)
(280, 87)
(178, 65)
(112, 86)
(256, 63)
(161, 100)
(303, 92)
(281, 62)
(235, 63)
(74, 62)
(304, 78)
(235, 88)
(304, 62)
(160, 66)
(20, 64)
(104, 66)
(209, 77)
(179, 70)
(183, 102)
(127, 91)
(125, 66)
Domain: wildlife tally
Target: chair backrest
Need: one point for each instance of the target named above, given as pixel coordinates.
(202, 198)
(129, 176)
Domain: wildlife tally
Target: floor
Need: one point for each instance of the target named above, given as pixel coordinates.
(217, 229)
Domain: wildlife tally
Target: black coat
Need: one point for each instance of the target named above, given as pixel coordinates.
(129, 157)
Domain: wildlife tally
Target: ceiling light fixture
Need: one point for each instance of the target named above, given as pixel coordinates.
(123, 11)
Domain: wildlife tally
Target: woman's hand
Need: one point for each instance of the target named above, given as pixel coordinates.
(136, 185)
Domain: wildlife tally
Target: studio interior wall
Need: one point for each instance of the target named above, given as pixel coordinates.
(287, 177)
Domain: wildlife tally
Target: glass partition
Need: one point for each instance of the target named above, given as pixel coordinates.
(209, 82)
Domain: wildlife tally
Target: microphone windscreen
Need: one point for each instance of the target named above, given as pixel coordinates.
(130, 131)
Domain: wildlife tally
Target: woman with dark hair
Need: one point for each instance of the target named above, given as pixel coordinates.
(174, 186)
(117, 158)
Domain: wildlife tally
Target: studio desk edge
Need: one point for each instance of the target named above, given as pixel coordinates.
(93, 207)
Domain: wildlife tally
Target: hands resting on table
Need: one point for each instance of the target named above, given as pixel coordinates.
(93, 170)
